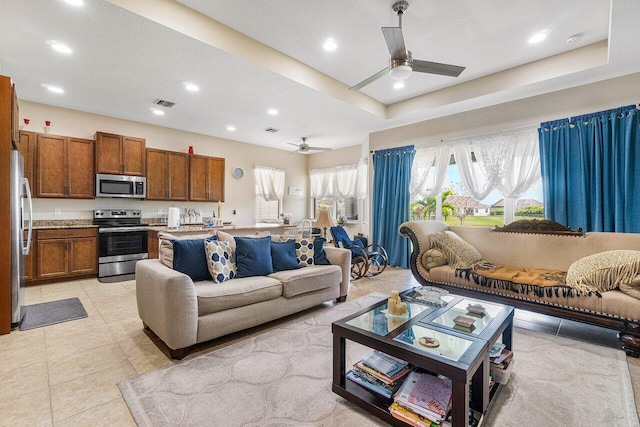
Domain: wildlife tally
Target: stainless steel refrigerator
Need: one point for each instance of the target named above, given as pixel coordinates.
(21, 221)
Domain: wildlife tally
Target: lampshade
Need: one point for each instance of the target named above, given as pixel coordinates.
(324, 220)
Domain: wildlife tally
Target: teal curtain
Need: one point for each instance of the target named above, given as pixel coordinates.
(591, 170)
(391, 179)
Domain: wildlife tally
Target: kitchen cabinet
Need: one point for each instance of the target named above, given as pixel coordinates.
(15, 117)
(206, 178)
(64, 167)
(27, 148)
(120, 155)
(63, 253)
(167, 175)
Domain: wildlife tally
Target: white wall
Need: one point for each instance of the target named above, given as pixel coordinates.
(239, 195)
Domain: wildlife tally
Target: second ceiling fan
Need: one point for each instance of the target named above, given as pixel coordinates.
(401, 64)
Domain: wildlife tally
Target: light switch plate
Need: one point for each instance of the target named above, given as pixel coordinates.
(57, 211)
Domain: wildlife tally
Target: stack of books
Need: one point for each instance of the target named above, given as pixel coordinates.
(379, 373)
(500, 367)
(423, 400)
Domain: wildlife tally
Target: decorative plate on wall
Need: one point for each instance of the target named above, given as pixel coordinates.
(238, 173)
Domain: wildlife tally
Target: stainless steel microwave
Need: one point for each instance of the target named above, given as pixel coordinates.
(121, 186)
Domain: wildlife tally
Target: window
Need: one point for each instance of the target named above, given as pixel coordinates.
(347, 207)
(267, 211)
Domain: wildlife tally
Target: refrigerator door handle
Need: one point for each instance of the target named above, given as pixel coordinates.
(26, 249)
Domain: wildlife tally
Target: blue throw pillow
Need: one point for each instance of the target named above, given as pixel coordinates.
(319, 256)
(283, 255)
(253, 256)
(189, 257)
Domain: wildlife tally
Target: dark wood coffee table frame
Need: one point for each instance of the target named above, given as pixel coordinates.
(473, 365)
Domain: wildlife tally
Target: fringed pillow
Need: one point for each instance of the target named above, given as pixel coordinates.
(459, 254)
(433, 258)
(632, 288)
(604, 271)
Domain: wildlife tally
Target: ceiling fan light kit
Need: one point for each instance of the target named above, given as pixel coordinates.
(401, 63)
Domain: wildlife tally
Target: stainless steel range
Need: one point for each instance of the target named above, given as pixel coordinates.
(122, 241)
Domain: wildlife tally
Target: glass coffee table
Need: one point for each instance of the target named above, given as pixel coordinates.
(462, 354)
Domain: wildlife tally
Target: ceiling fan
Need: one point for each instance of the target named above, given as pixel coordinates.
(401, 64)
(303, 147)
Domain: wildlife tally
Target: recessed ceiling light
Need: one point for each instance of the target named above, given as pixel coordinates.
(74, 2)
(191, 87)
(574, 38)
(231, 128)
(54, 89)
(330, 44)
(539, 36)
(398, 85)
(272, 111)
(60, 47)
(157, 112)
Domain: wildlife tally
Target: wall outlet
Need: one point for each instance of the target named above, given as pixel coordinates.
(159, 211)
(57, 211)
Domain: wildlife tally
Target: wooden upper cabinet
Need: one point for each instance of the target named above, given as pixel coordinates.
(51, 166)
(167, 175)
(120, 155)
(81, 179)
(64, 167)
(206, 178)
(27, 148)
(15, 117)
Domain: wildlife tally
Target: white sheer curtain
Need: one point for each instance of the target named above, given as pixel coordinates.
(269, 182)
(507, 162)
(339, 182)
(428, 171)
(523, 169)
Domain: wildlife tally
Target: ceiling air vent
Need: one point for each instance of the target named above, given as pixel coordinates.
(164, 103)
(271, 130)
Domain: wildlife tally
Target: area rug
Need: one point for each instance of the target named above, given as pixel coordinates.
(282, 377)
(50, 313)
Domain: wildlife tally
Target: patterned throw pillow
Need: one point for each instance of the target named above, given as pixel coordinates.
(459, 253)
(604, 271)
(433, 258)
(304, 251)
(220, 261)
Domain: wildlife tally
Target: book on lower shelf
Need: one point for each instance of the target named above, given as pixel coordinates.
(427, 395)
(379, 373)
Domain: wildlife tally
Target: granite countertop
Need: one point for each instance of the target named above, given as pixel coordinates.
(195, 227)
(42, 224)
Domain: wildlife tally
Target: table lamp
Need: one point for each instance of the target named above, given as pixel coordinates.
(324, 220)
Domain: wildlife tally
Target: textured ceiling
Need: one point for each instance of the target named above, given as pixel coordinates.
(123, 60)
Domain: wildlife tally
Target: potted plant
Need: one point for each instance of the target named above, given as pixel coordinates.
(286, 218)
(342, 219)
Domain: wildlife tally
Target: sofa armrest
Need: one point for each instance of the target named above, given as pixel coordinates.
(167, 303)
(342, 258)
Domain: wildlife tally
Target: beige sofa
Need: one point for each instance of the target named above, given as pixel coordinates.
(613, 309)
(183, 313)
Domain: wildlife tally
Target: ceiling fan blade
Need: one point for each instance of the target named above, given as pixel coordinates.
(320, 148)
(294, 151)
(295, 145)
(437, 68)
(395, 42)
(371, 79)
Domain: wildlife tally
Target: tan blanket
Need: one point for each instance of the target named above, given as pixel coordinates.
(539, 281)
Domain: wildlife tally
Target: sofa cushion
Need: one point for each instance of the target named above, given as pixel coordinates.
(605, 270)
(459, 253)
(304, 251)
(253, 256)
(283, 256)
(213, 297)
(319, 255)
(165, 249)
(220, 261)
(433, 258)
(189, 257)
(309, 279)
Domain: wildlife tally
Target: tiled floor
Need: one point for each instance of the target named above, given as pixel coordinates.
(67, 374)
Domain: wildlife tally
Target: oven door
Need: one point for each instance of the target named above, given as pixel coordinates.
(119, 250)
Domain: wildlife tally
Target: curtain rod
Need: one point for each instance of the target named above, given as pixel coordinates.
(526, 127)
